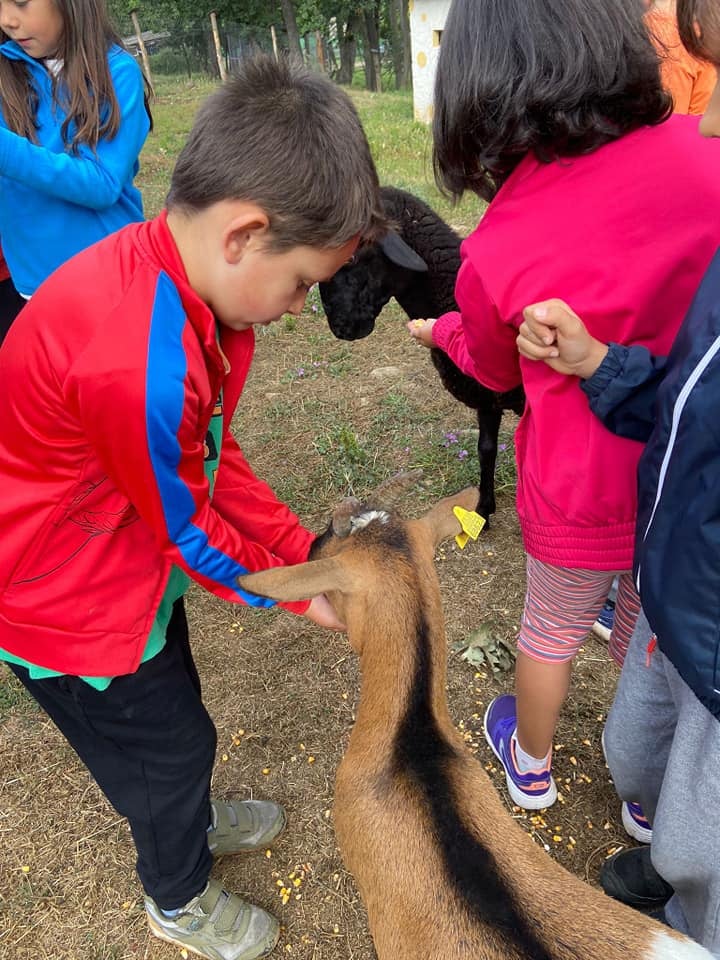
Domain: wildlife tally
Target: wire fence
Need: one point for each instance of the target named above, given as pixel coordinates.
(191, 50)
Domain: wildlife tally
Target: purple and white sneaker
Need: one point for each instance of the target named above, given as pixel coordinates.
(534, 790)
(636, 823)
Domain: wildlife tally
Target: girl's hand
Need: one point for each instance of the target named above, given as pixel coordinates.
(421, 330)
(322, 612)
(553, 333)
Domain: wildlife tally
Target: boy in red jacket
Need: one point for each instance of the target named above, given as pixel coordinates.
(122, 482)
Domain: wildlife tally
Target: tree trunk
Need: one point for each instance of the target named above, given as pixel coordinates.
(371, 44)
(401, 53)
(348, 49)
(288, 12)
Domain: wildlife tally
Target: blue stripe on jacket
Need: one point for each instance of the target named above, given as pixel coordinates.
(164, 407)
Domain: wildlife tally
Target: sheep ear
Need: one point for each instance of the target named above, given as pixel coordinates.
(399, 253)
(299, 582)
(441, 522)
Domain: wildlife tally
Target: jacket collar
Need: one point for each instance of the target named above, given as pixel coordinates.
(14, 51)
(156, 237)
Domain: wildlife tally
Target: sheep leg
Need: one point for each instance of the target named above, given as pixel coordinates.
(488, 431)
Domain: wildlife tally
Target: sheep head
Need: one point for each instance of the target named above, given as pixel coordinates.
(354, 297)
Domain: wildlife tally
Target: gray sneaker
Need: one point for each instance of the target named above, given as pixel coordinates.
(217, 925)
(241, 825)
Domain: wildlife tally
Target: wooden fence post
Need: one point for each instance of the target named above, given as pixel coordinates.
(218, 48)
(320, 53)
(141, 45)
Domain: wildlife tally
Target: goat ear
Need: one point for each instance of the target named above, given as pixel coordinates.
(299, 582)
(442, 522)
(399, 253)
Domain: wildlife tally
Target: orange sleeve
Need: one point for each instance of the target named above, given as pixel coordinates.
(702, 88)
(678, 82)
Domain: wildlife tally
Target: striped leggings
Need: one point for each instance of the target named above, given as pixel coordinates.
(562, 604)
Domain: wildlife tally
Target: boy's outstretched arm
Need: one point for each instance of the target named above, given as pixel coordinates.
(552, 332)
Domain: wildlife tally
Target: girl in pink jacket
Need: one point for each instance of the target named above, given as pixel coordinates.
(601, 197)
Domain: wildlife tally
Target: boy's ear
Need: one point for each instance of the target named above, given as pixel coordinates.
(247, 224)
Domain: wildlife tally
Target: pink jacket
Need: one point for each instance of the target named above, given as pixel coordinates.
(624, 235)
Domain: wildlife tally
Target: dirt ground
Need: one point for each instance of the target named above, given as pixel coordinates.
(318, 418)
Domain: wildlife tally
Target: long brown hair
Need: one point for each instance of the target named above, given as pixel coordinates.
(699, 24)
(84, 91)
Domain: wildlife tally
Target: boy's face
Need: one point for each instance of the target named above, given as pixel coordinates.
(263, 285)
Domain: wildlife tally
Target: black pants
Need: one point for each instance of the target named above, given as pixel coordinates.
(10, 305)
(150, 744)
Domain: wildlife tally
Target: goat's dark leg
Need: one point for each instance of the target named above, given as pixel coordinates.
(488, 431)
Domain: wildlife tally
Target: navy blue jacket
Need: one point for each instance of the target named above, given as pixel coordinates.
(673, 404)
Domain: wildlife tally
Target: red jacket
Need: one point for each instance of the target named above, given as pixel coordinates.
(4, 272)
(624, 235)
(110, 378)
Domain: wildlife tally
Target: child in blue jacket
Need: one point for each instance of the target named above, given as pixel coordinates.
(662, 737)
(73, 120)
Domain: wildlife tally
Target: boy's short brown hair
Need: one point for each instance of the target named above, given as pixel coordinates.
(291, 141)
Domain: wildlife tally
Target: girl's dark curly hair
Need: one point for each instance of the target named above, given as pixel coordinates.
(699, 23)
(556, 77)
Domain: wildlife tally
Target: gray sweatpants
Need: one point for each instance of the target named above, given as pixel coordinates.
(663, 750)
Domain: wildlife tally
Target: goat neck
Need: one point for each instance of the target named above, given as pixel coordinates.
(396, 625)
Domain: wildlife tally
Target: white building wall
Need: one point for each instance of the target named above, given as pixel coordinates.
(427, 19)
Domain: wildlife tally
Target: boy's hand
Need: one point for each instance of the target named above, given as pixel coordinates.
(421, 330)
(322, 612)
(553, 333)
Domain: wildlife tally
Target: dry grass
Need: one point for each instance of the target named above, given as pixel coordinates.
(67, 885)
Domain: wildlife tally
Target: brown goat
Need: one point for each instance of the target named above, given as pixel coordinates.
(445, 873)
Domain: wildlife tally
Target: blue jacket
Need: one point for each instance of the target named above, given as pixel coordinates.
(674, 404)
(53, 203)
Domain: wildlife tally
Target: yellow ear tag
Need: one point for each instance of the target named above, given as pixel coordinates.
(471, 523)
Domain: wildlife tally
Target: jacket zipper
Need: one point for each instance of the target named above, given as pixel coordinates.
(678, 408)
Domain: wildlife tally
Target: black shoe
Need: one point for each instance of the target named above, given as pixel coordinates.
(659, 915)
(630, 877)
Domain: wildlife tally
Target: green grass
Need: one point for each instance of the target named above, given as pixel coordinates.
(13, 694)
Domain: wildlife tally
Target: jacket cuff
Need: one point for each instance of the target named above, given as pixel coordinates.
(607, 372)
(297, 606)
(444, 327)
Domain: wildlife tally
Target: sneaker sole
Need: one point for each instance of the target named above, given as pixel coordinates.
(633, 829)
(162, 935)
(520, 799)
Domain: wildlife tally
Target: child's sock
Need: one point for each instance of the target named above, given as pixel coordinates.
(525, 763)
(171, 914)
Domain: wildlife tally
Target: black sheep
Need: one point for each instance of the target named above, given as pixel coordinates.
(417, 265)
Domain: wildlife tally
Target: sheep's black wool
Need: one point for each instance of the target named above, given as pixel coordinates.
(417, 264)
